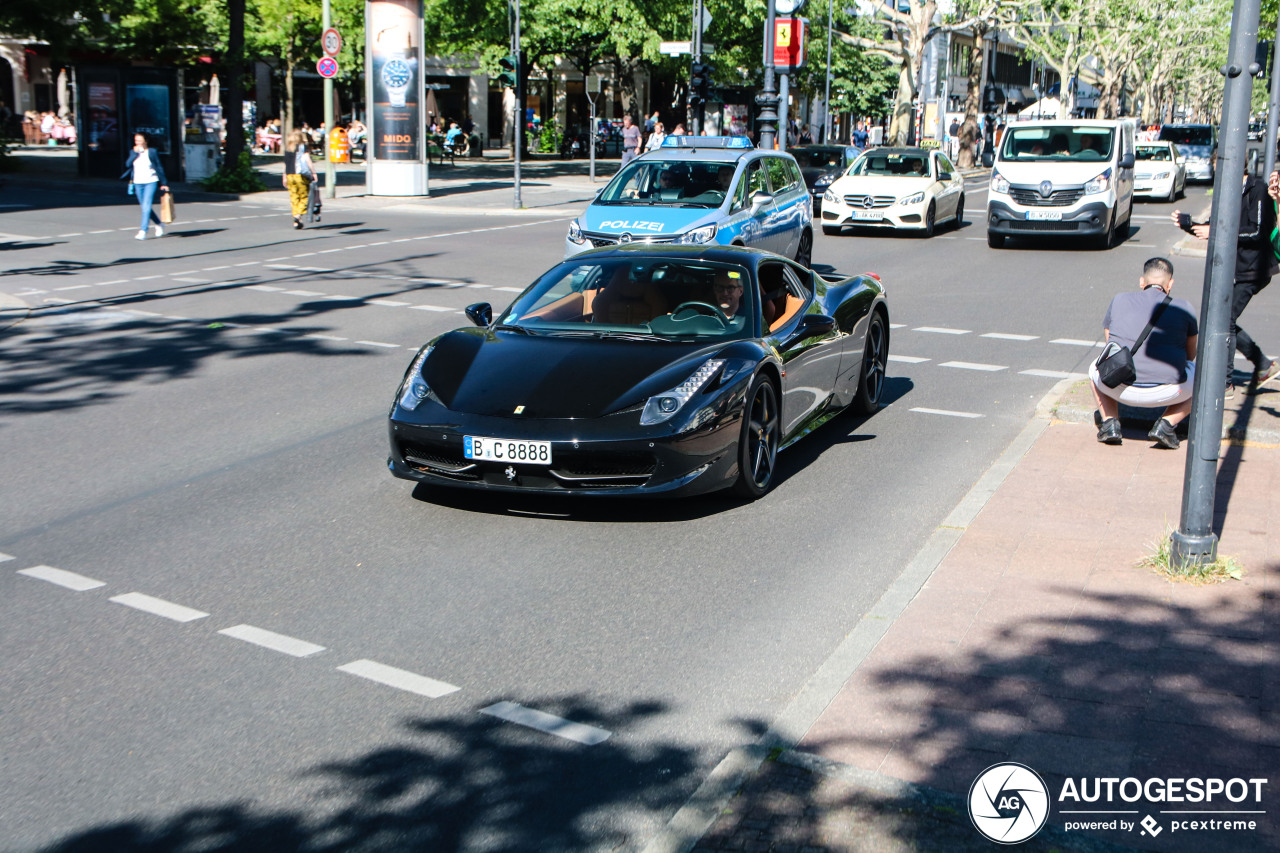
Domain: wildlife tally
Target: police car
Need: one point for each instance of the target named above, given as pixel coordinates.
(702, 189)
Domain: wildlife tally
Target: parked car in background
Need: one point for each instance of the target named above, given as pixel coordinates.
(1159, 171)
(821, 165)
(900, 188)
(1198, 144)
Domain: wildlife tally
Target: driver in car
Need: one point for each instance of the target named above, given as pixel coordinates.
(725, 176)
(728, 292)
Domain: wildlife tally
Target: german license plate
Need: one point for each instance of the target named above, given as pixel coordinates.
(873, 215)
(1044, 214)
(506, 450)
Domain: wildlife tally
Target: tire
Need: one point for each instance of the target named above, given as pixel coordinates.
(875, 357)
(831, 230)
(959, 220)
(758, 445)
(1106, 239)
(930, 216)
(995, 241)
(1121, 232)
(804, 253)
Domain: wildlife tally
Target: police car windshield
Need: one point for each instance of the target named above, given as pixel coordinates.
(672, 183)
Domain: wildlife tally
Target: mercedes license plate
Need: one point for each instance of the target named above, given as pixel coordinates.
(1044, 214)
(506, 450)
(867, 214)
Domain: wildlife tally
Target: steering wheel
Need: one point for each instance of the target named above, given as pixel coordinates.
(700, 308)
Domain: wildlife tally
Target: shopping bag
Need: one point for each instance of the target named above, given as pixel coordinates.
(313, 202)
(166, 208)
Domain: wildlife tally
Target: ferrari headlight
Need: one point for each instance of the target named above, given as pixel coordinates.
(698, 235)
(830, 196)
(1100, 184)
(575, 233)
(917, 198)
(661, 407)
(414, 389)
(998, 183)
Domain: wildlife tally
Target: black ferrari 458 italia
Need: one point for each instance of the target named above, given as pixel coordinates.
(642, 369)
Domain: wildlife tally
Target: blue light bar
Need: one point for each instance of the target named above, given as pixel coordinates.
(706, 142)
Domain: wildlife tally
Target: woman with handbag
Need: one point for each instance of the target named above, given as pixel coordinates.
(145, 174)
(298, 175)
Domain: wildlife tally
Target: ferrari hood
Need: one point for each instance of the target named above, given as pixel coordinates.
(507, 374)
(644, 220)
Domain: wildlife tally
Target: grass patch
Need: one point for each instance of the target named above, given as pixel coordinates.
(1159, 560)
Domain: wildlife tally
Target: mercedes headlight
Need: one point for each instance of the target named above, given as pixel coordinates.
(998, 183)
(698, 235)
(1100, 184)
(662, 407)
(414, 389)
(917, 198)
(575, 233)
(1160, 176)
(830, 196)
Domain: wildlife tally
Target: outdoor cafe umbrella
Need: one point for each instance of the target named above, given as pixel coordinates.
(63, 109)
(433, 110)
(215, 90)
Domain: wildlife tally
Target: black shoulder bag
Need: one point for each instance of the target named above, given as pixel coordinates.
(1115, 365)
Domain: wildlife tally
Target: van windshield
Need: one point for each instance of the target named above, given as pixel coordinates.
(1057, 142)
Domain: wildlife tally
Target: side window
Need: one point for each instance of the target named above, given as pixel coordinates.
(797, 282)
(740, 191)
(794, 169)
(756, 182)
(778, 174)
(946, 164)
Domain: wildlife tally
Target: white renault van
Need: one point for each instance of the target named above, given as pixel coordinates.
(1063, 178)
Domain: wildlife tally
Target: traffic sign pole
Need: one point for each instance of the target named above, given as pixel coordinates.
(330, 188)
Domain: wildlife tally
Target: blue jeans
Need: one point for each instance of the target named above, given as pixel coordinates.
(146, 194)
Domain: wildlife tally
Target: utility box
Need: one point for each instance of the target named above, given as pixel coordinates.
(203, 159)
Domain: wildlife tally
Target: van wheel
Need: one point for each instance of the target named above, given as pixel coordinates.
(995, 241)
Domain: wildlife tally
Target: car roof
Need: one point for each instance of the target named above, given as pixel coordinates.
(904, 151)
(716, 155)
(743, 255)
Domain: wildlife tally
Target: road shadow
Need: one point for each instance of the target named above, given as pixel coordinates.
(466, 782)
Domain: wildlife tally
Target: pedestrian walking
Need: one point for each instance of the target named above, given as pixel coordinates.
(630, 140)
(1256, 263)
(655, 138)
(145, 173)
(298, 175)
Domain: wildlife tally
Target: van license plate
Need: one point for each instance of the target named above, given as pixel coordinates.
(1044, 214)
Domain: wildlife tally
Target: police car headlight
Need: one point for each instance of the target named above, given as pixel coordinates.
(998, 183)
(698, 235)
(1100, 184)
(830, 196)
(917, 198)
(575, 233)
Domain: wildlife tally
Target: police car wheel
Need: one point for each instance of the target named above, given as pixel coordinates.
(804, 254)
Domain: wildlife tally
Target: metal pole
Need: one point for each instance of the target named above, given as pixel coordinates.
(1194, 541)
(330, 185)
(768, 97)
(521, 71)
(826, 94)
(591, 132)
(1273, 106)
(784, 110)
(695, 120)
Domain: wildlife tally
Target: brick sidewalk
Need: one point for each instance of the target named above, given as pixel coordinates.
(1036, 640)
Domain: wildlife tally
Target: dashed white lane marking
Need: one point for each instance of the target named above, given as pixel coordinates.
(148, 277)
(479, 286)
(399, 678)
(970, 365)
(61, 577)
(76, 234)
(513, 712)
(193, 280)
(303, 293)
(946, 412)
(159, 607)
(379, 344)
(182, 272)
(430, 308)
(113, 281)
(1002, 336)
(908, 359)
(389, 303)
(897, 325)
(211, 269)
(940, 330)
(265, 288)
(271, 640)
(1076, 343)
(72, 287)
(273, 260)
(248, 264)
(6, 557)
(319, 337)
(511, 289)
(104, 231)
(268, 329)
(1053, 374)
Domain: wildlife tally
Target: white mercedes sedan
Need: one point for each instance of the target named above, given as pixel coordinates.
(899, 188)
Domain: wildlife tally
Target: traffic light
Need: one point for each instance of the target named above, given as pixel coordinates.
(700, 83)
(510, 74)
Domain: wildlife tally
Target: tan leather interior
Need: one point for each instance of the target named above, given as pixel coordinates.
(626, 301)
(567, 309)
(793, 306)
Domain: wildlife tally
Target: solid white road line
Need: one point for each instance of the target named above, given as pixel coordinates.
(1076, 343)
(908, 359)
(271, 640)
(1001, 336)
(70, 580)
(969, 365)
(947, 412)
(549, 723)
(1054, 374)
(940, 330)
(399, 678)
(159, 607)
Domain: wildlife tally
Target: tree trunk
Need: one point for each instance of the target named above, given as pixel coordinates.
(900, 124)
(969, 130)
(287, 119)
(235, 85)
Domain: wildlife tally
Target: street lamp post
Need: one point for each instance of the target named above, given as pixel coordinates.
(826, 94)
(768, 97)
(1273, 106)
(330, 184)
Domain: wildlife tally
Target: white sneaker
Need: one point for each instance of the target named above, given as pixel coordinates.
(141, 235)
(159, 231)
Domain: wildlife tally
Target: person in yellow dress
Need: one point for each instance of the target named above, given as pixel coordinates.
(298, 175)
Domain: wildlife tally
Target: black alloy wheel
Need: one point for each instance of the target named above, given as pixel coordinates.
(930, 218)
(875, 359)
(804, 254)
(959, 220)
(758, 447)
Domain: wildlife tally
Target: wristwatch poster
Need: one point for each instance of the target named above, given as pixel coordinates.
(396, 76)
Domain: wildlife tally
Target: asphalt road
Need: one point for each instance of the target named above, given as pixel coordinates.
(201, 420)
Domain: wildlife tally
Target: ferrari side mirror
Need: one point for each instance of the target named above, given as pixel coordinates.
(481, 313)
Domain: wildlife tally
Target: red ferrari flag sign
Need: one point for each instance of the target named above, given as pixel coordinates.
(789, 38)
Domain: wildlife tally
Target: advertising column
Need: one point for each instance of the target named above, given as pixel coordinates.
(393, 71)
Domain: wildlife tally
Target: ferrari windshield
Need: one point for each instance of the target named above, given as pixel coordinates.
(637, 297)
(675, 183)
(1058, 142)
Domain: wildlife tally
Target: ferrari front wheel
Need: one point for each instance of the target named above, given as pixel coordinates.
(758, 445)
(875, 359)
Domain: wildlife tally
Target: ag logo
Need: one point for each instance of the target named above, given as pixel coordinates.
(1008, 803)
